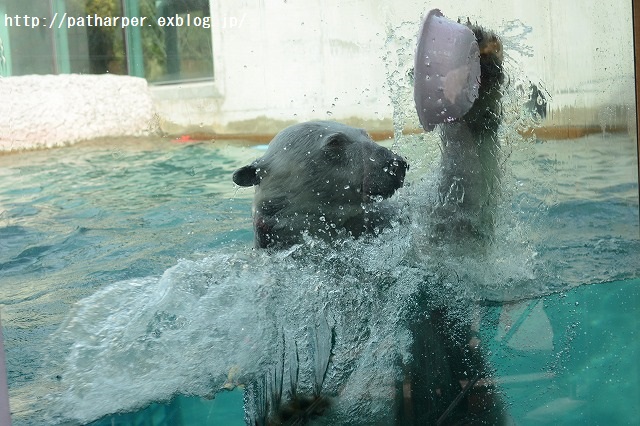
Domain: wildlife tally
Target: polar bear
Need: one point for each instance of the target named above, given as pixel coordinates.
(326, 179)
(321, 178)
(329, 180)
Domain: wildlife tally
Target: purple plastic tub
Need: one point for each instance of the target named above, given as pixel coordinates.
(447, 70)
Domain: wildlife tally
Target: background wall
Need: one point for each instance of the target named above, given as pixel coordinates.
(41, 111)
(277, 62)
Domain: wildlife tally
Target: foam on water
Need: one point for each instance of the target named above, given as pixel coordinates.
(239, 314)
(233, 315)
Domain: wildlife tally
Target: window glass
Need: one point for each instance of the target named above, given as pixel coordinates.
(495, 281)
(30, 50)
(177, 43)
(105, 42)
(164, 41)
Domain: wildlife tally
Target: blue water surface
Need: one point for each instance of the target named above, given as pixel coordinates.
(75, 220)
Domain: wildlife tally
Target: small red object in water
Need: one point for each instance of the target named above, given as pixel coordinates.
(184, 139)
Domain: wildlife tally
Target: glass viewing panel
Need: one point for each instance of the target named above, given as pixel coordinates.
(130, 292)
(166, 41)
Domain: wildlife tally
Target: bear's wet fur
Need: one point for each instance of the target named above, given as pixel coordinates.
(322, 178)
(447, 382)
(470, 172)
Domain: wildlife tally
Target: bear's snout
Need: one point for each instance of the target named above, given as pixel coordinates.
(384, 177)
(398, 167)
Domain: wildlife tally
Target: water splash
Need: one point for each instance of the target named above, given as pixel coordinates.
(261, 315)
(513, 35)
(146, 339)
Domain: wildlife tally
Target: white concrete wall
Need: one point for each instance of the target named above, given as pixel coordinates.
(52, 110)
(276, 62)
(298, 60)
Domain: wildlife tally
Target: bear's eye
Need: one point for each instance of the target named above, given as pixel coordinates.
(335, 148)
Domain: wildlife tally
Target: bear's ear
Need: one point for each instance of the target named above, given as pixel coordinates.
(337, 140)
(247, 175)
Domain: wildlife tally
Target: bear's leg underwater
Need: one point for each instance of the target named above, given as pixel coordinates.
(447, 382)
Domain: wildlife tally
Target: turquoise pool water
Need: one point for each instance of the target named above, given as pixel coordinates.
(126, 278)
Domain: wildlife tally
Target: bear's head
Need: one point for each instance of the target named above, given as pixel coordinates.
(321, 178)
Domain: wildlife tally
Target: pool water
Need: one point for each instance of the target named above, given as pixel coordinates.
(583, 370)
(127, 278)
